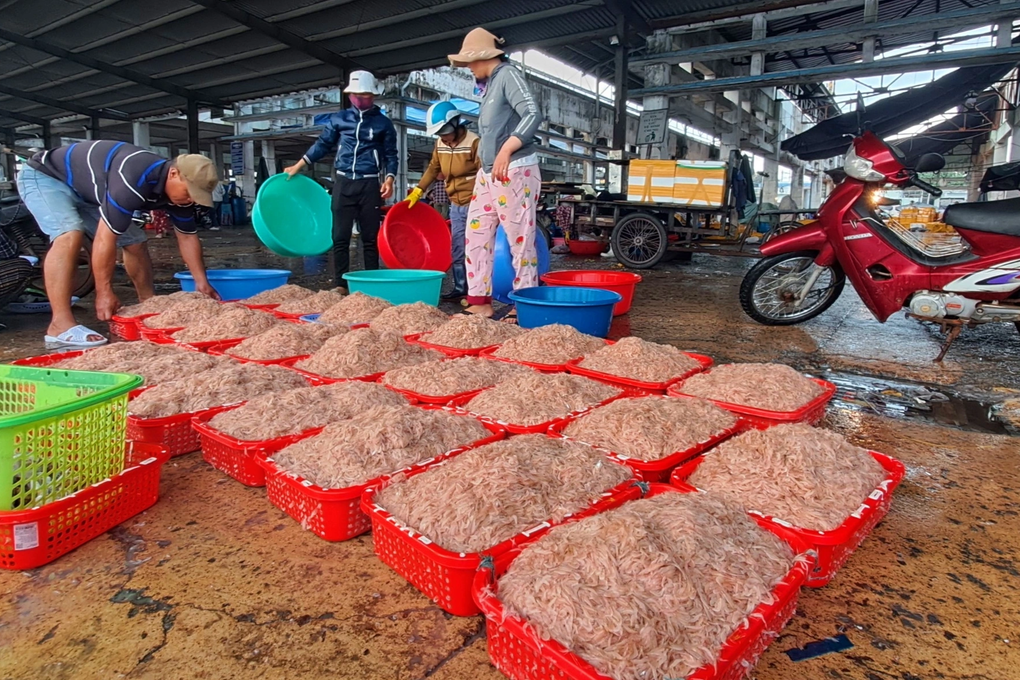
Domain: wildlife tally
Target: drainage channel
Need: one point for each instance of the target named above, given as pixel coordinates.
(896, 399)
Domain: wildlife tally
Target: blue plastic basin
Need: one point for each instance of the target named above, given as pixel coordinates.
(399, 286)
(237, 284)
(589, 310)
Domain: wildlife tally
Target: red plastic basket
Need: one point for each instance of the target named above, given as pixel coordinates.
(287, 316)
(833, 547)
(172, 432)
(810, 413)
(575, 368)
(444, 576)
(238, 458)
(205, 345)
(417, 398)
(337, 514)
(157, 334)
(261, 308)
(127, 327)
(514, 428)
(487, 353)
(658, 470)
(516, 649)
(32, 538)
(453, 352)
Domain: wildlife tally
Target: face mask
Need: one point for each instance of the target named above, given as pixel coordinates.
(362, 103)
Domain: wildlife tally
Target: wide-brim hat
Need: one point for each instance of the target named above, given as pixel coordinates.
(478, 45)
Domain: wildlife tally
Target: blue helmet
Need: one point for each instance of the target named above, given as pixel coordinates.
(438, 115)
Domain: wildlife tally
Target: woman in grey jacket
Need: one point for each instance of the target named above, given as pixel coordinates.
(508, 183)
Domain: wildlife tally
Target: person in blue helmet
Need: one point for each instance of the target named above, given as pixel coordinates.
(455, 156)
(365, 143)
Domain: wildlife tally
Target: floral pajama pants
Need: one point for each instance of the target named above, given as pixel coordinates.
(511, 203)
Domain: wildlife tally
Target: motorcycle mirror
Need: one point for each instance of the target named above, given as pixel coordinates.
(930, 162)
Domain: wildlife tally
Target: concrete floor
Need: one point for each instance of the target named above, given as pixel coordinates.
(214, 582)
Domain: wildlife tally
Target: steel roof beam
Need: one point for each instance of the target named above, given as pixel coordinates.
(118, 71)
(280, 34)
(32, 120)
(926, 62)
(785, 43)
(61, 104)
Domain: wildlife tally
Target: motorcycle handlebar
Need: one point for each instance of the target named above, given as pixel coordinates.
(924, 186)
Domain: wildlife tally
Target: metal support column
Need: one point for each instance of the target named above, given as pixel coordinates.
(620, 85)
(47, 136)
(759, 29)
(193, 141)
(94, 132)
(870, 17)
(1004, 34)
(658, 74)
(9, 158)
(140, 134)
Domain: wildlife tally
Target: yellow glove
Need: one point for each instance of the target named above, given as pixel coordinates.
(414, 197)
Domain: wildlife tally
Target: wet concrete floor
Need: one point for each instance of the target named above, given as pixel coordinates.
(214, 582)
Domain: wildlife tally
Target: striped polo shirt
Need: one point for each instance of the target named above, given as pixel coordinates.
(119, 178)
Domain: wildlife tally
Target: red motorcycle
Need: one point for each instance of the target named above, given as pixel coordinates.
(965, 279)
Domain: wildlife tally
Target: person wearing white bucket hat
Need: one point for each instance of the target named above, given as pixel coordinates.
(508, 183)
(365, 143)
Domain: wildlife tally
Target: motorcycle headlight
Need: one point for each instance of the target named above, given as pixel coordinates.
(860, 168)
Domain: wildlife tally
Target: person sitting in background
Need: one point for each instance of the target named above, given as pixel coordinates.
(437, 196)
(455, 157)
(15, 272)
(365, 143)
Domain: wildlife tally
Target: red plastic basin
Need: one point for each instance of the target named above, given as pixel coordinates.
(585, 247)
(415, 238)
(618, 282)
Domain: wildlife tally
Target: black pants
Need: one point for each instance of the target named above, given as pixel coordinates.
(355, 199)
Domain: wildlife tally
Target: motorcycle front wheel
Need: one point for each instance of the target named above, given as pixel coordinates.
(769, 291)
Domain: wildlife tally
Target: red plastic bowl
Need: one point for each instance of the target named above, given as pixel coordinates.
(585, 247)
(415, 238)
(623, 283)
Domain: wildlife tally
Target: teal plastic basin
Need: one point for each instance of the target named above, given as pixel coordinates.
(399, 286)
(293, 218)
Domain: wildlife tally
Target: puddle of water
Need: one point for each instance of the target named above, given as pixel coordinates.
(897, 399)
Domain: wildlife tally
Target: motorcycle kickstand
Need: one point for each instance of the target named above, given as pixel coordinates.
(951, 337)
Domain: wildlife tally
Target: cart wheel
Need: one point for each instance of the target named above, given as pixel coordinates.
(639, 241)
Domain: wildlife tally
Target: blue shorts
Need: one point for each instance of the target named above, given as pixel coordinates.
(57, 209)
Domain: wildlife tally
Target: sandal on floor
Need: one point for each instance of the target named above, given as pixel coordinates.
(506, 315)
(76, 337)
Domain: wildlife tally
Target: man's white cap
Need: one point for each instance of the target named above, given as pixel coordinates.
(363, 82)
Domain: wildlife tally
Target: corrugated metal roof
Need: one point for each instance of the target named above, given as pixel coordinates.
(185, 44)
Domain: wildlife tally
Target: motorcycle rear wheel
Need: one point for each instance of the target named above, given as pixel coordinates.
(768, 289)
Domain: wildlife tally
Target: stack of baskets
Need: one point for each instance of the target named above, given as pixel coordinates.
(67, 473)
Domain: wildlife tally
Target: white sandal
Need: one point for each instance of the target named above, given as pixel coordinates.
(75, 337)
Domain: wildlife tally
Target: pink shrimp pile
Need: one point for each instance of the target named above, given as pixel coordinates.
(292, 411)
(364, 351)
(649, 428)
(807, 476)
(531, 398)
(417, 317)
(236, 322)
(486, 495)
(379, 441)
(354, 309)
(553, 344)
(285, 293)
(470, 331)
(648, 591)
(774, 387)
(443, 378)
(639, 359)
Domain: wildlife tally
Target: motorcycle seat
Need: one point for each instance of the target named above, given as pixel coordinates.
(993, 217)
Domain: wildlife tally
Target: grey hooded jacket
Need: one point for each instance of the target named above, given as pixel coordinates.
(508, 110)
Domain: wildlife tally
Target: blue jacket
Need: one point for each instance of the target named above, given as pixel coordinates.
(365, 143)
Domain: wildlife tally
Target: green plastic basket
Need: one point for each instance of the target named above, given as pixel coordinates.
(60, 431)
